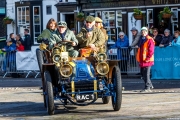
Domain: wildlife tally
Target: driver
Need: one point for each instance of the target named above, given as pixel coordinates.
(63, 33)
(90, 35)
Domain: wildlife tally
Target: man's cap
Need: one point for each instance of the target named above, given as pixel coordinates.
(90, 18)
(97, 19)
(134, 29)
(8, 40)
(144, 28)
(62, 23)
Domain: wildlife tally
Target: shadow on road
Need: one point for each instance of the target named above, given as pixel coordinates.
(22, 109)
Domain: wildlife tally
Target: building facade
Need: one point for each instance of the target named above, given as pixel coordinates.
(2, 15)
(34, 15)
(117, 15)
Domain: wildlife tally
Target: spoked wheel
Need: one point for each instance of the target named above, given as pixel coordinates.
(117, 83)
(49, 93)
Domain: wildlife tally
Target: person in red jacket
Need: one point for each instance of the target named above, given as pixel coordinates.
(145, 57)
(19, 46)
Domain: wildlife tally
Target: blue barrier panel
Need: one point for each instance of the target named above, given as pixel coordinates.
(166, 63)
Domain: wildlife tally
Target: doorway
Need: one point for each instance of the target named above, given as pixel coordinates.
(69, 18)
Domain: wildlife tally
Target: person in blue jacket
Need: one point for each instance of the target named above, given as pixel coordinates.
(122, 44)
(176, 41)
(122, 41)
(10, 49)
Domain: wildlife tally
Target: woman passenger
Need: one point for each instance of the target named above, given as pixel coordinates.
(47, 34)
(176, 41)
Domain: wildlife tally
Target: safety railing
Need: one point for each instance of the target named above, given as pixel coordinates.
(8, 66)
(127, 62)
(2, 57)
(127, 59)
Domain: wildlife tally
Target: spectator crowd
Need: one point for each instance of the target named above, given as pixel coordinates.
(15, 43)
(85, 38)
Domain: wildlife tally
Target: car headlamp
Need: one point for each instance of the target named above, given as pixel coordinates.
(66, 70)
(56, 50)
(101, 57)
(56, 58)
(102, 68)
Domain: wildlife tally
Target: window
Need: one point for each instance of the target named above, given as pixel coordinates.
(48, 9)
(108, 18)
(118, 22)
(36, 22)
(23, 19)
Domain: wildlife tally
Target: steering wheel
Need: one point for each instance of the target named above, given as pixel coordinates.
(65, 42)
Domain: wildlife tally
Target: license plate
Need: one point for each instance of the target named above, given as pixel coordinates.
(85, 97)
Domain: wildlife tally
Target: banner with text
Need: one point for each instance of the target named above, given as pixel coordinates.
(166, 63)
(26, 61)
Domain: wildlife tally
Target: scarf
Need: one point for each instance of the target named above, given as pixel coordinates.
(142, 40)
(63, 35)
(89, 29)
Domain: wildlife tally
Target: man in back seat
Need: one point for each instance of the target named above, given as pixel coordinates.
(90, 35)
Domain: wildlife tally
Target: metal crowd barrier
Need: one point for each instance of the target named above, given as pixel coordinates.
(8, 65)
(127, 62)
(2, 56)
(127, 59)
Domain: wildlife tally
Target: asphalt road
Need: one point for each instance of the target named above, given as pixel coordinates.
(21, 99)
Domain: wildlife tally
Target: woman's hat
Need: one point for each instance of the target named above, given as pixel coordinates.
(121, 33)
(8, 40)
(134, 29)
(144, 28)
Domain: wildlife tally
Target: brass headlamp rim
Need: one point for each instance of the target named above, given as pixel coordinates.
(97, 69)
(71, 70)
(99, 54)
(56, 47)
(54, 58)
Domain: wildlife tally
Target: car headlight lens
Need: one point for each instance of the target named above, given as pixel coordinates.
(66, 70)
(56, 58)
(101, 57)
(102, 68)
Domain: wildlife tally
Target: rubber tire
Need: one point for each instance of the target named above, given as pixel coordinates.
(118, 88)
(44, 96)
(49, 93)
(106, 99)
(40, 60)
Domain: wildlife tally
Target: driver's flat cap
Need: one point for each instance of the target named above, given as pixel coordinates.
(62, 23)
(90, 18)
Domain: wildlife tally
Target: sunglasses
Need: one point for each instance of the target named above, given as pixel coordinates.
(61, 27)
(121, 35)
(88, 22)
